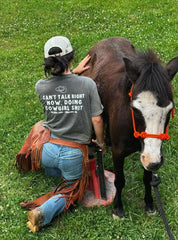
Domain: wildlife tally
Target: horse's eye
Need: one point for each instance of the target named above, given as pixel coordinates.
(136, 111)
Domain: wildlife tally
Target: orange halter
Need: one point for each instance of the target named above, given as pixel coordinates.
(162, 136)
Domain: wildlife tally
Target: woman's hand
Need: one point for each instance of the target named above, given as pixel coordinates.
(82, 65)
(101, 145)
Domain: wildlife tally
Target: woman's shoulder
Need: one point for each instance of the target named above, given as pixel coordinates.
(87, 80)
(42, 81)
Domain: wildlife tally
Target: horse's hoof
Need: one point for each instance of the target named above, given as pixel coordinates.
(118, 214)
(117, 217)
(151, 211)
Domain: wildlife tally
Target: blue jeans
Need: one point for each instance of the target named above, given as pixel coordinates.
(59, 161)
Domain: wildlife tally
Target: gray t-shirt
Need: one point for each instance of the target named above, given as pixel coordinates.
(69, 103)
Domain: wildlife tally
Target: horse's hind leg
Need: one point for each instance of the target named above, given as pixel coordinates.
(149, 206)
(119, 184)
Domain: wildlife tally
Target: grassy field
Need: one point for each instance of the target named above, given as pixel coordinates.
(25, 27)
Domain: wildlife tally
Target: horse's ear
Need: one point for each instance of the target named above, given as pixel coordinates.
(131, 69)
(172, 67)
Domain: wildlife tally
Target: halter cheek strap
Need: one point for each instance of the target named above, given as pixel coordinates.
(162, 136)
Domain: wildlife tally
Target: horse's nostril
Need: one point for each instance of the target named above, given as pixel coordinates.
(162, 159)
(154, 166)
(143, 159)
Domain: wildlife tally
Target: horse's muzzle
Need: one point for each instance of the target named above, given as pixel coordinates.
(155, 166)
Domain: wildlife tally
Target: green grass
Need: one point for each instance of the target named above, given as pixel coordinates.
(25, 27)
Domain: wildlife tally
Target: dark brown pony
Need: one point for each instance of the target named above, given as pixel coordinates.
(115, 66)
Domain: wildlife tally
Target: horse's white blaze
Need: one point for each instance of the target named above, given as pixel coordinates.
(155, 118)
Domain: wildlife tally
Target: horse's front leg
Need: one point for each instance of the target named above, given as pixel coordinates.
(119, 184)
(149, 206)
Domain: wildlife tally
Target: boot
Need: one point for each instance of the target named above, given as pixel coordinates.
(35, 218)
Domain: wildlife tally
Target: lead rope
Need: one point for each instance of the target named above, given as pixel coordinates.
(154, 183)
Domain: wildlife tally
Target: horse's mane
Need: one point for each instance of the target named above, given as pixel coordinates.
(153, 77)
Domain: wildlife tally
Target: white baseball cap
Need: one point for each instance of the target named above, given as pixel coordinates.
(58, 41)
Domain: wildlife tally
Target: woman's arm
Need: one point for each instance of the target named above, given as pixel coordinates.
(99, 131)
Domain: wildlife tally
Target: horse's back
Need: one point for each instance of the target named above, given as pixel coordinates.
(119, 46)
(107, 58)
(107, 67)
(113, 48)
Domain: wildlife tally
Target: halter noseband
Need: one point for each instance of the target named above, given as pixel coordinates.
(162, 136)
